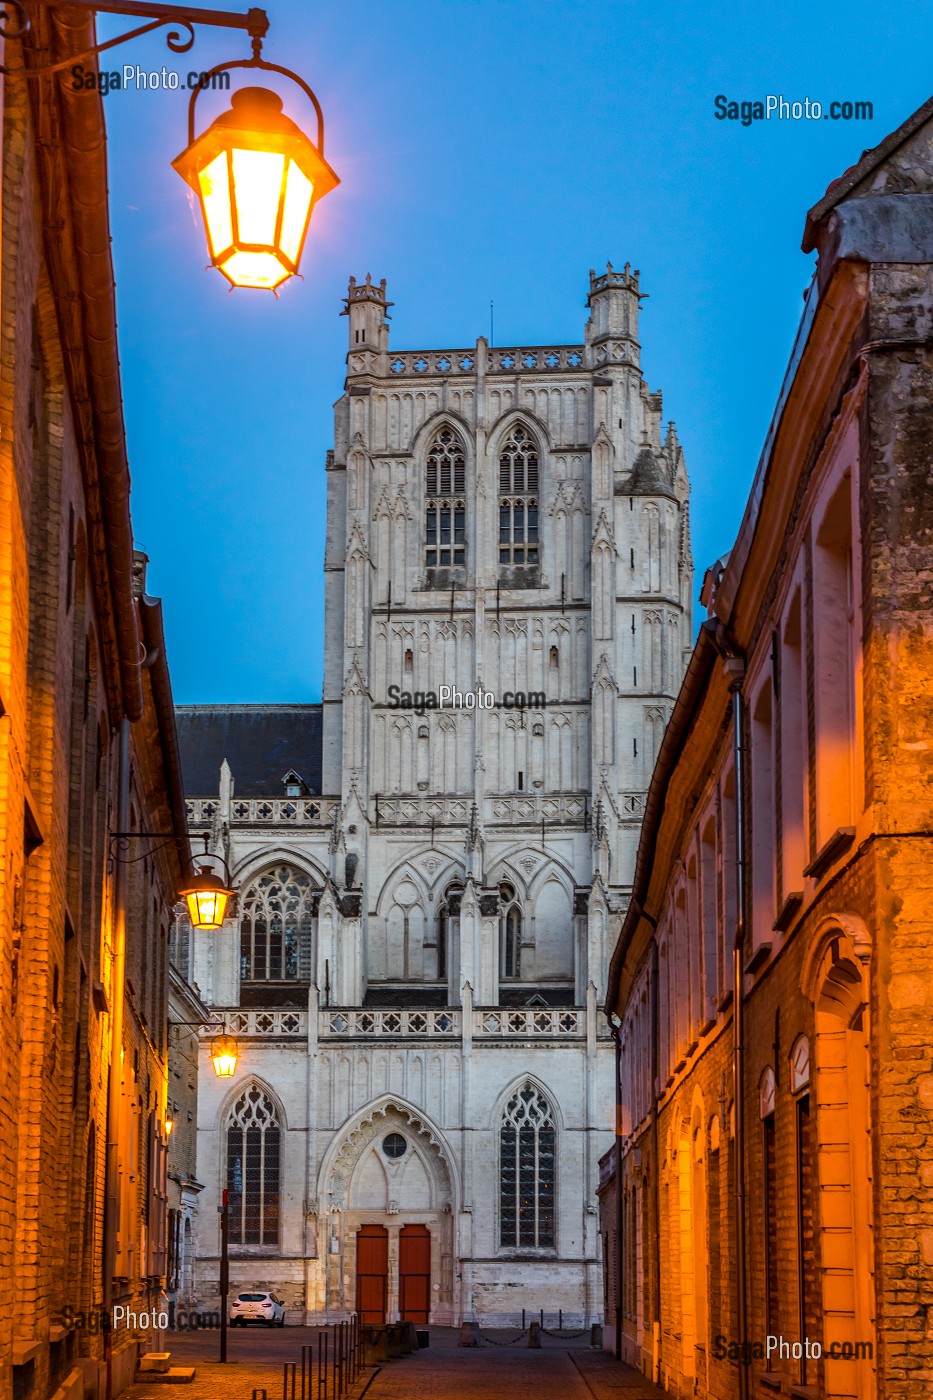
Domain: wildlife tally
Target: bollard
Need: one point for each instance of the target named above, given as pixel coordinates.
(596, 1337)
(534, 1335)
(560, 1319)
(523, 1319)
(469, 1334)
(322, 1340)
(541, 1319)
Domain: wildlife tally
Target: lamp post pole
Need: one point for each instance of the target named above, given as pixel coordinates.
(224, 1276)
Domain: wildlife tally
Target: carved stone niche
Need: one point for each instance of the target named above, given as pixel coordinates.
(489, 904)
(351, 906)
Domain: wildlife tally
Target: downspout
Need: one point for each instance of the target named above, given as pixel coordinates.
(115, 1076)
(735, 667)
(656, 1152)
(615, 1030)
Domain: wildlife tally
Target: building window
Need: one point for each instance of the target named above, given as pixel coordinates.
(448, 912)
(518, 499)
(179, 945)
(510, 933)
(527, 1172)
(277, 925)
(253, 1183)
(770, 1222)
(445, 507)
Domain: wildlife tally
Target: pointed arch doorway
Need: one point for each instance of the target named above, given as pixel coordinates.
(414, 1273)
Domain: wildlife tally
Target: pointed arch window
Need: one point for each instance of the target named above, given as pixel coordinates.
(445, 505)
(527, 1172)
(279, 909)
(446, 915)
(253, 1169)
(518, 499)
(510, 933)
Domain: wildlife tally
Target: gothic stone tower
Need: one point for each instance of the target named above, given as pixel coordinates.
(508, 586)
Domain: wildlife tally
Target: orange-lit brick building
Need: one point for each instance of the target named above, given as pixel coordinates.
(772, 986)
(87, 747)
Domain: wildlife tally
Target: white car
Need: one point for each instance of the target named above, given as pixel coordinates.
(257, 1307)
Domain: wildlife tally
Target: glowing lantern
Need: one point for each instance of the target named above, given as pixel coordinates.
(258, 177)
(206, 898)
(224, 1053)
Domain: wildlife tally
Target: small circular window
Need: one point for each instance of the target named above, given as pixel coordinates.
(394, 1145)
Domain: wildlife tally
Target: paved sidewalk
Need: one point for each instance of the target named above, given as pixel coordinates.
(557, 1372)
(443, 1371)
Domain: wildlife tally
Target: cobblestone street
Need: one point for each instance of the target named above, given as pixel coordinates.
(441, 1372)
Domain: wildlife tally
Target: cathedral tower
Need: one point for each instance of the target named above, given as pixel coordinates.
(507, 595)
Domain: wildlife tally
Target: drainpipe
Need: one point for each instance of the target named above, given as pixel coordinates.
(615, 1030)
(735, 668)
(656, 1153)
(115, 1077)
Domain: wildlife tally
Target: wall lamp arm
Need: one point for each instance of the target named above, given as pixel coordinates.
(16, 23)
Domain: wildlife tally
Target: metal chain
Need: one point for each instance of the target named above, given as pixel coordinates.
(511, 1343)
(565, 1333)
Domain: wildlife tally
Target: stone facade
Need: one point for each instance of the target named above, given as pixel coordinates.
(426, 895)
(773, 994)
(86, 740)
(186, 1012)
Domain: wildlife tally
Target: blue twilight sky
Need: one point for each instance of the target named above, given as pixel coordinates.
(488, 149)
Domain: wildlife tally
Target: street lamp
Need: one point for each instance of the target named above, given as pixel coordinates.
(224, 1055)
(256, 174)
(206, 897)
(205, 894)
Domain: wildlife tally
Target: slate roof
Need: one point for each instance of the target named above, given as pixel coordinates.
(261, 743)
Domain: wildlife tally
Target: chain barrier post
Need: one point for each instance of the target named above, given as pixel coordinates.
(322, 1340)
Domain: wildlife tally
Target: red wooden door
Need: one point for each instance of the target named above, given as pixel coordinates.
(414, 1273)
(372, 1273)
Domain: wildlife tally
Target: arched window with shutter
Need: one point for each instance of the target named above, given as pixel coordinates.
(253, 1169)
(518, 500)
(445, 504)
(447, 914)
(527, 1172)
(278, 914)
(510, 933)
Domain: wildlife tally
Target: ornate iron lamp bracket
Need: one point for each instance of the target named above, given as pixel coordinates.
(15, 23)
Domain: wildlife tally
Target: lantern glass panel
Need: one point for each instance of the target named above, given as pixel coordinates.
(257, 189)
(224, 1056)
(214, 181)
(206, 908)
(260, 270)
(296, 211)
